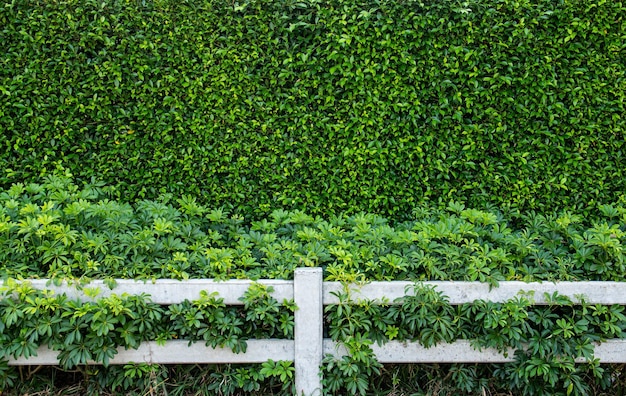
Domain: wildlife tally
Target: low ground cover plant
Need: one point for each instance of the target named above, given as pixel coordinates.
(83, 332)
(548, 341)
(58, 229)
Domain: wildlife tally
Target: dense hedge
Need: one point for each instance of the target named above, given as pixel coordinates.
(373, 106)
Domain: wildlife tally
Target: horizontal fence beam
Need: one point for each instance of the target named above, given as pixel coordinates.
(461, 351)
(168, 291)
(259, 351)
(467, 292)
(180, 352)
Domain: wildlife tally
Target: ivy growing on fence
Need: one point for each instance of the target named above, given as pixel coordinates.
(63, 230)
(548, 341)
(83, 332)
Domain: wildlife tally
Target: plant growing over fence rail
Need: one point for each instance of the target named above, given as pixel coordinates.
(553, 344)
(85, 332)
(60, 230)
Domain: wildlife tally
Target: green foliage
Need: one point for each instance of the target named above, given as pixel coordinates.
(270, 378)
(83, 332)
(326, 107)
(59, 230)
(549, 340)
(351, 373)
(265, 316)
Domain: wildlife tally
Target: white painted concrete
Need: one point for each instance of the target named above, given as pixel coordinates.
(467, 292)
(180, 352)
(259, 351)
(461, 351)
(308, 332)
(170, 291)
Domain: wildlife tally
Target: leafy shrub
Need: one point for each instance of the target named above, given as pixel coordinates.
(326, 107)
(141, 379)
(58, 230)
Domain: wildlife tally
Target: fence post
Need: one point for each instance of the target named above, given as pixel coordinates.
(308, 331)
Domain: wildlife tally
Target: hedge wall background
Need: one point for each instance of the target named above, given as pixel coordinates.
(323, 106)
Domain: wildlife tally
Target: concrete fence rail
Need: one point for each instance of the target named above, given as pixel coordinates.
(308, 347)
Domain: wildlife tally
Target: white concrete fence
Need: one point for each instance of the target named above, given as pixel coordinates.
(308, 347)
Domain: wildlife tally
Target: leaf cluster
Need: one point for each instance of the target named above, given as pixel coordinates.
(139, 379)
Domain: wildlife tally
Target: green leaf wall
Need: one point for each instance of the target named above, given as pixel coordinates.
(324, 106)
